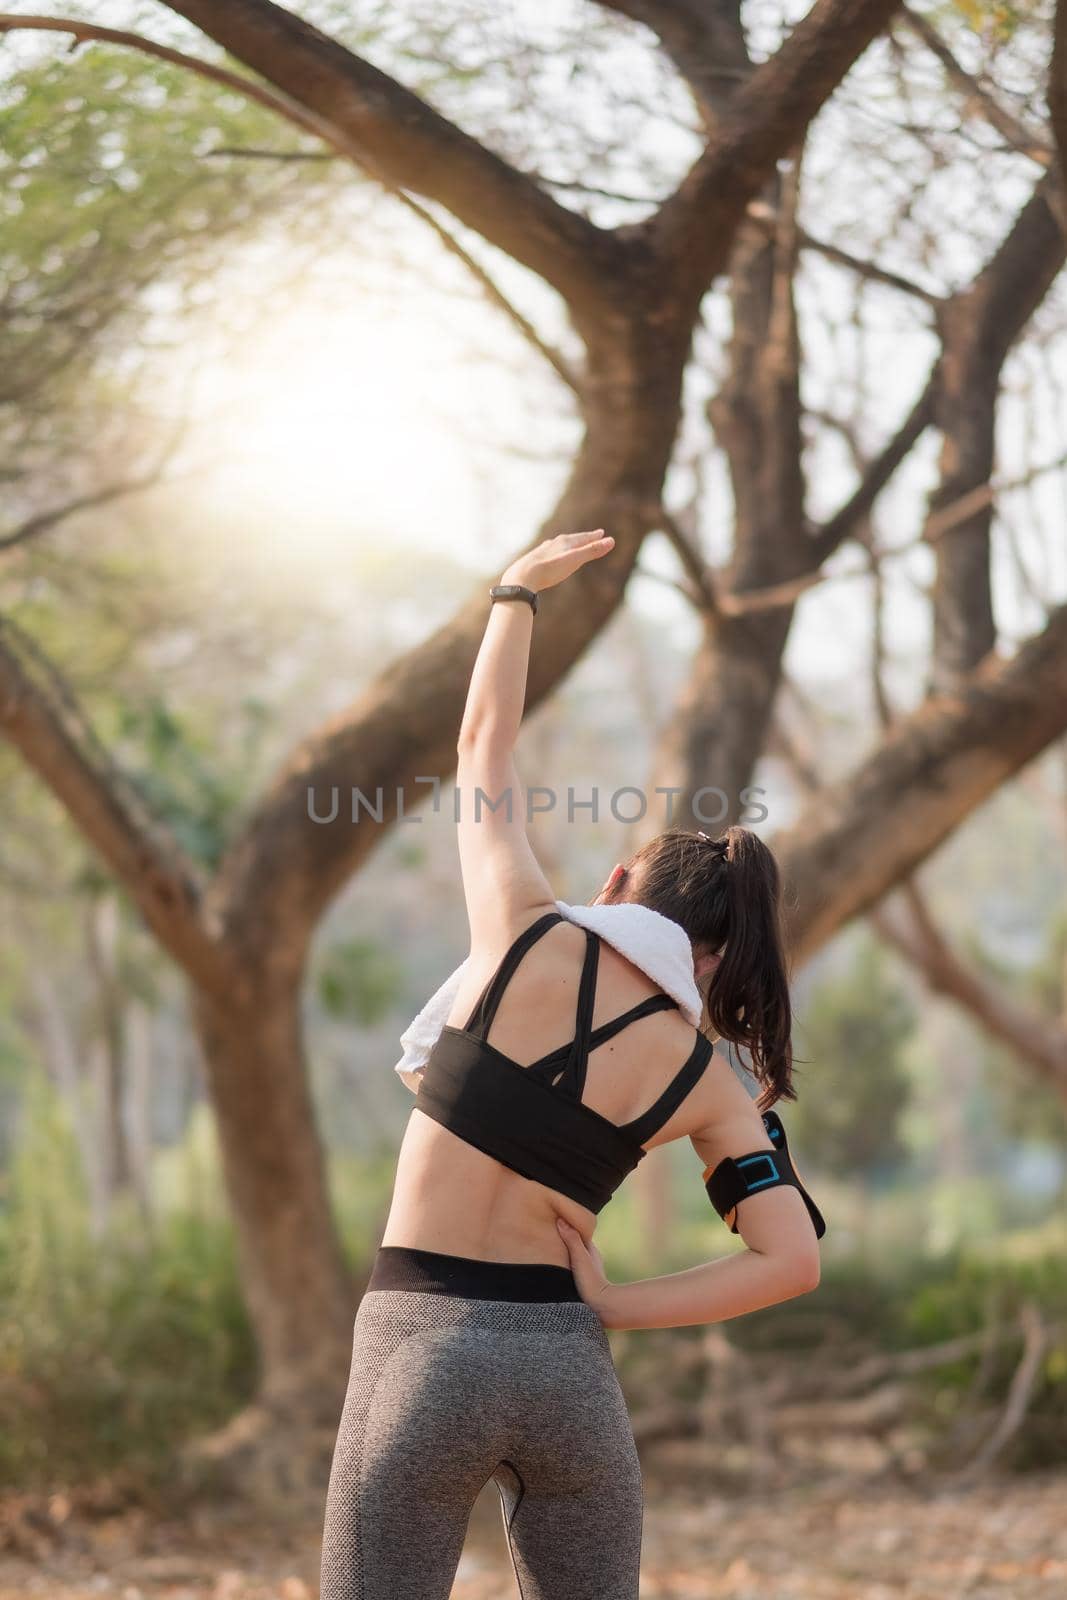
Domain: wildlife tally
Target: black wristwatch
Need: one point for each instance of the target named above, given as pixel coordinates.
(514, 591)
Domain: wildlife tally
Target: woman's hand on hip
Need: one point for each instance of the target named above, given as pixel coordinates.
(586, 1265)
(555, 559)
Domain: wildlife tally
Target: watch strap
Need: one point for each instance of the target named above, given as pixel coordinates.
(514, 591)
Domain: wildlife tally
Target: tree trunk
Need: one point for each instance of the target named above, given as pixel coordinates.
(978, 329)
(299, 1295)
(720, 727)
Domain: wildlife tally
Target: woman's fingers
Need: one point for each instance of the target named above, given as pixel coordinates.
(579, 1248)
(580, 548)
(586, 1265)
(572, 1239)
(576, 541)
(555, 559)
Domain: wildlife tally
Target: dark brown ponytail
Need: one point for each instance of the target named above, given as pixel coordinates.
(726, 893)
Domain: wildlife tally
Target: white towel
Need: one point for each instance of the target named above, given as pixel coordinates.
(655, 943)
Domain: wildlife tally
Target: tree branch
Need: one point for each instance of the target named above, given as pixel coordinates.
(859, 837)
(90, 33)
(404, 142)
(54, 737)
(961, 510)
(251, 153)
(1024, 1382)
(1021, 138)
(860, 503)
(485, 281)
(704, 594)
(704, 42)
(869, 269)
(1006, 293)
(1057, 84)
(496, 296)
(44, 521)
(763, 122)
(765, 217)
(1040, 1041)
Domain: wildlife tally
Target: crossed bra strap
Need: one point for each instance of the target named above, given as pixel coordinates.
(481, 1018)
(549, 1067)
(565, 1068)
(572, 1079)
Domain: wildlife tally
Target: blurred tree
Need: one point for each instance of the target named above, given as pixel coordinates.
(857, 1024)
(1058, 82)
(1033, 1026)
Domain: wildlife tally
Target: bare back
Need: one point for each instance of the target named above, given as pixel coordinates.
(449, 1196)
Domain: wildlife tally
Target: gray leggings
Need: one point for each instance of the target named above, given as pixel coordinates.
(448, 1390)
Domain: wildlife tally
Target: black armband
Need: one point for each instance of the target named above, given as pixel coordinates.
(738, 1176)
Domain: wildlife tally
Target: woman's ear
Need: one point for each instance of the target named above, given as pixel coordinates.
(612, 883)
(705, 966)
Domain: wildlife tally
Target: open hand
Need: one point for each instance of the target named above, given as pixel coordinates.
(555, 559)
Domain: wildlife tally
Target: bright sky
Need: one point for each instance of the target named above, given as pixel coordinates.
(329, 425)
(374, 405)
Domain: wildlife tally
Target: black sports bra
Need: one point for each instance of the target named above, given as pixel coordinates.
(532, 1119)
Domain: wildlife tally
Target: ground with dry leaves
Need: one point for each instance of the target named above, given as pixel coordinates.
(1003, 1539)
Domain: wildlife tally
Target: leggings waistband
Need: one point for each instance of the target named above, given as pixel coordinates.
(433, 1272)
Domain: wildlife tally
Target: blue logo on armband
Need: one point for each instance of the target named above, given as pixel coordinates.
(760, 1183)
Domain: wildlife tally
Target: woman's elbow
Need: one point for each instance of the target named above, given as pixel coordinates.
(482, 735)
(805, 1270)
(797, 1273)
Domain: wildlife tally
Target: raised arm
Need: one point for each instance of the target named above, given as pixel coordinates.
(781, 1255)
(503, 883)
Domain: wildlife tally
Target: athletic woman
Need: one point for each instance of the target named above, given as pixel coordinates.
(480, 1348)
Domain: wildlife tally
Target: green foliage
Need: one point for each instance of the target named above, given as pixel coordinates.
(978, 1289)
(112, 1350)
(410, 856)
(848, 1115)
(182, 775)
(107, 182)
(1026, 1107)
(993, 19)
(866, 1306)
(360, 1192)
(13, 1055)
(358, 980)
